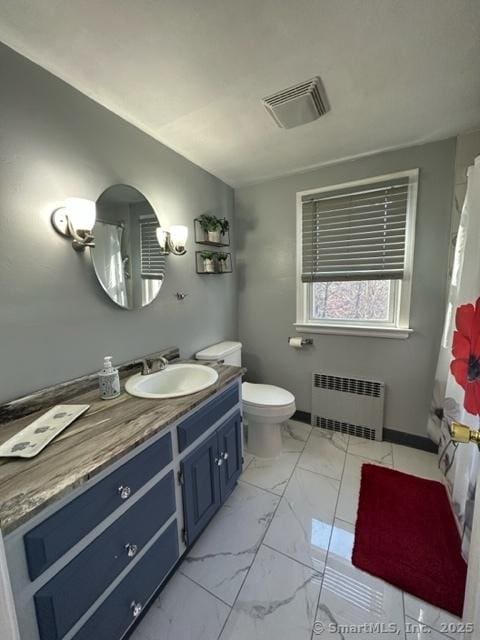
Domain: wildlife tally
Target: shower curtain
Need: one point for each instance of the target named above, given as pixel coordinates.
(458, 371)
(108, 260)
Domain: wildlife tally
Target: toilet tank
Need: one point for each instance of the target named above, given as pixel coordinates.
(228, 352)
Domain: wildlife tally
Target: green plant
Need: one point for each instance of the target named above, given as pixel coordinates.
(224, 226)
(222, 257)
(207, 255)
(210, 223)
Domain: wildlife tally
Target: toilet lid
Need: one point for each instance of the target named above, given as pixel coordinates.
(266, 395)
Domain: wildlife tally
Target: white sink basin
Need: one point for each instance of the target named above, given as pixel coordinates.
(174, 381)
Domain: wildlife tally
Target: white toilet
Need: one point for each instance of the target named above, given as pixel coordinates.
(265, 407)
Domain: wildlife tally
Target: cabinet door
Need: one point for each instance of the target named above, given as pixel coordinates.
(230, 453)
(201, 487)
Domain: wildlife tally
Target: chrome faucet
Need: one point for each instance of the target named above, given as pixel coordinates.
(153, 364)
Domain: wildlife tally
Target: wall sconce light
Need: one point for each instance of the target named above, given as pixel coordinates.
(174, 240)
(76, 220)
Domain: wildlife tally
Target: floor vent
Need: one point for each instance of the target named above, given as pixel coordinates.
(348, 405)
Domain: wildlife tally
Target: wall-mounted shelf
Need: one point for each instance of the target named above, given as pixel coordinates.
(201, 236)
(214, 265)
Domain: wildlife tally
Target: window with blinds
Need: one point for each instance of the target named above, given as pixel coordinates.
(152, 262)
(355, 245)
(358, 232)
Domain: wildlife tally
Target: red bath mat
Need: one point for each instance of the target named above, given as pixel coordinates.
(406, 534)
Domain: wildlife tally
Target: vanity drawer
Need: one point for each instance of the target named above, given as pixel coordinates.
(123, 605)
(193, 427)
(66, 597)
(54, 536)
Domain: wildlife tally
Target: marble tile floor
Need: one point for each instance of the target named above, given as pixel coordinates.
(274, 563)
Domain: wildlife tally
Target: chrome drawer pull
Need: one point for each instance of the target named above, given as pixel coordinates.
(225, 456)
(131, 550)
(124, 492)
(219, 461)
(136, 608)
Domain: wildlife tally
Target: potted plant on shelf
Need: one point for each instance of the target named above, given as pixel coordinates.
(208, 261)
(213, 227)
(222, 262)
(224, 226)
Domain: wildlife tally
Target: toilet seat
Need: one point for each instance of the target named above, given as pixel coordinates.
(267, 401)
(262, 395)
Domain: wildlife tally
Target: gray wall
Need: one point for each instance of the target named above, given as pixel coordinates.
(265, 215)
(55, 321)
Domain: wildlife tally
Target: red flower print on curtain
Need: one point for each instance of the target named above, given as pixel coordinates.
(465, 366)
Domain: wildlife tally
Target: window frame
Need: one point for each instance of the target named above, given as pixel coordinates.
(400, 327)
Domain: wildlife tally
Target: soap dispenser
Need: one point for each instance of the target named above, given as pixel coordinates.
(109, 380)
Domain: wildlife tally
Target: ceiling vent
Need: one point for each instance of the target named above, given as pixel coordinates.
(297, 105)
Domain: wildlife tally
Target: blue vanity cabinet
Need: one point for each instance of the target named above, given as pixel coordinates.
(209, 474)
(87, 567)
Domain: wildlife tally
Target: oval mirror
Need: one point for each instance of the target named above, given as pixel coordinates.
(127, 258)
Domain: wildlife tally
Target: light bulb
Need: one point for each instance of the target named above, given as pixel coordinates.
(81, 213)
(178, 235)
(162, 238)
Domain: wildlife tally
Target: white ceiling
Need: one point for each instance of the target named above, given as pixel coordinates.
(192, 72)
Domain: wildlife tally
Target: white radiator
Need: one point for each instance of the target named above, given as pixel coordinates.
(349, 405)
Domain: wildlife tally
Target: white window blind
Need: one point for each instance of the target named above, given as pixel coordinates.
(355, 233)
(151, 259)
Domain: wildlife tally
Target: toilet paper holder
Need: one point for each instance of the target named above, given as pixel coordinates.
(304, 341)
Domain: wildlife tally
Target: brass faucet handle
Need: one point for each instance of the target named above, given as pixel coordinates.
(462, 433)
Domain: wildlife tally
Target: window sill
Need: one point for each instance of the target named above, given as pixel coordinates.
(344, 330)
